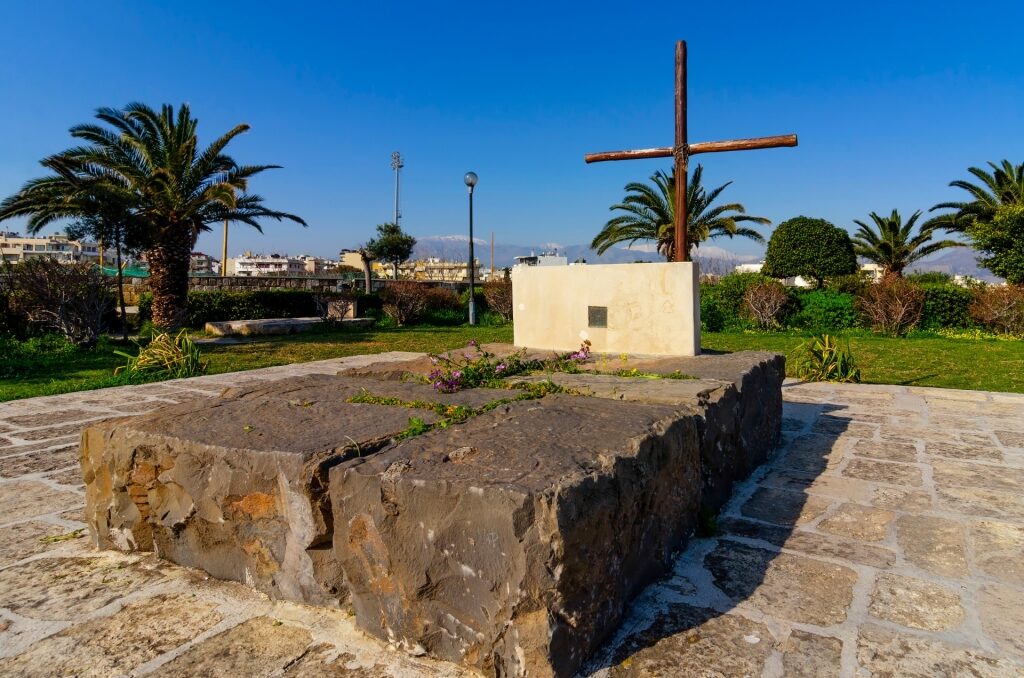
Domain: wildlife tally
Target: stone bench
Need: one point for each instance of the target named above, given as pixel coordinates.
(268, 326)
(511, 542)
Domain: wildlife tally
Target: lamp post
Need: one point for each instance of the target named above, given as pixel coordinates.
(471, 180)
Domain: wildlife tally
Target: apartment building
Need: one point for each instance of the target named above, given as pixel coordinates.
(16, 248)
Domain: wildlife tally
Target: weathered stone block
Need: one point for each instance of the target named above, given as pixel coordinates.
(236, 485)
(514, 542)
(739, 396)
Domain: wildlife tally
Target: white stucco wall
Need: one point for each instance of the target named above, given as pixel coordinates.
(653, 309)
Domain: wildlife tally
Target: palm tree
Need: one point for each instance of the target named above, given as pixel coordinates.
(650, 211)
(1004, 185)
(889, 243)
(150, 163)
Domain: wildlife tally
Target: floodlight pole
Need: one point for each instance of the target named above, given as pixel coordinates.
(471, 180)
(397, 165)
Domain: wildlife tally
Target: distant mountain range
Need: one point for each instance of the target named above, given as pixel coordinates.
(456, 248)
(713, 259)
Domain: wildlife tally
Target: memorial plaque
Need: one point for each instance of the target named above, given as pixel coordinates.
(597, 316)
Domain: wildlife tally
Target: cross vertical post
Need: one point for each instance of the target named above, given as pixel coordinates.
(681, 153)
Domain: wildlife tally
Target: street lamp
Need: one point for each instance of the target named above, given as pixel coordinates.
(471, 180)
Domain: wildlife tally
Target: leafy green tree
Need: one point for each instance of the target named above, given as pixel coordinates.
(1004, 185)
(1002, 241)
(149, 162)
(392, 245)
(890, 244)
(649, 213)
(812, 248)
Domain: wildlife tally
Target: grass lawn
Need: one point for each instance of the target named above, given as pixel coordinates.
(90, 369)
(973, 364)
(920, 361)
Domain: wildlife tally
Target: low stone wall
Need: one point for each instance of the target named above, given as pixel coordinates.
(511, 542)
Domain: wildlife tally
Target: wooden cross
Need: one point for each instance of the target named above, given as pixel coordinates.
(683, 150)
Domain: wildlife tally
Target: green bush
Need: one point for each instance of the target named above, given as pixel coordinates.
(823, 311)
(729, 291)
(712, 318)
(164, 357)
(945, 305)
(204, 307)
(812, 248)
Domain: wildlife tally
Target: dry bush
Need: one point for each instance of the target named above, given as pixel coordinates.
(68, 298)
(763, 303)
(893, 305)
(999, 309)
(405, 301)
(442, 299)
(498, 294)
(333, 306)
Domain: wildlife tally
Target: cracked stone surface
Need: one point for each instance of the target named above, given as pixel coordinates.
(57, 598)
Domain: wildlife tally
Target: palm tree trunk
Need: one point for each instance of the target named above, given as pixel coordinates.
(168, 277)
(120, 285)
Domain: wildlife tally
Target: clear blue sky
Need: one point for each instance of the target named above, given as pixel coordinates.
(890, 103)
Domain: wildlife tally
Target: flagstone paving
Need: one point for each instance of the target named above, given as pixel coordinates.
(885, 537)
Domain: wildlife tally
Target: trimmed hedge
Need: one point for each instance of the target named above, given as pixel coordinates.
(946, 305)
(204, 307)
(823, 310)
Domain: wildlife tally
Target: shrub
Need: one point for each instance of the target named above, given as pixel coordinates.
(945, 305)
(763, 303)
(892, 305)
(728, 292)
(333, 307)
(498, 294)
(853, 284)
(71, 299)
(404, 301)
(1000, 309)
(712, 318)
(812, 248)
(164, 357)
(824, 310)
(215, 306)
(442, 299)
(823, 360)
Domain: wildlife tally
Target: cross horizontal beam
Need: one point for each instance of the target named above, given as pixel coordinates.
(780, 141)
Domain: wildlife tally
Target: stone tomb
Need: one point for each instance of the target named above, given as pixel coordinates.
(511, 542)
(647, 309)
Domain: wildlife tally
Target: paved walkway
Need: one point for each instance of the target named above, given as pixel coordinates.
(885, 538)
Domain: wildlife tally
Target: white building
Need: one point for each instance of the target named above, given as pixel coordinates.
(202, 264)
(542, 259)
(252, 265)
(317, 265)
(15, 248)
(872, 272)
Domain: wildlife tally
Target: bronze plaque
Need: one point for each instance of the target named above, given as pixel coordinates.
(597, 316)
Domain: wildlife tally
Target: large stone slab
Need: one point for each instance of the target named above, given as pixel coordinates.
(510, 542)
(236, 485)
(514, 542)
(739, 396)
